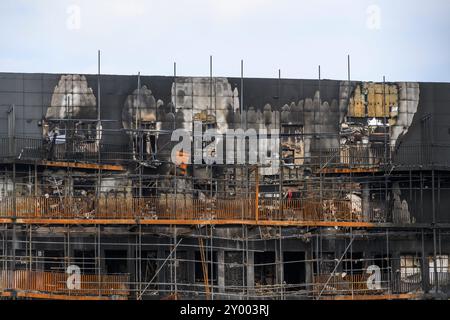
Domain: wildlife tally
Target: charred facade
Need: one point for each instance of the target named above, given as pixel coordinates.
(350, 202)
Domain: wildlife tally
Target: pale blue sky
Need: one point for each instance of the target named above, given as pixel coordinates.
(412, 41)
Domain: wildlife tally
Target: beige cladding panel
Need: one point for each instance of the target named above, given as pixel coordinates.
(356, 108)
(378, 106)
(371, 101)
(377, 98)
(393, 96)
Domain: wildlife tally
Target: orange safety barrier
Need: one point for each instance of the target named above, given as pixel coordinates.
(56, 283)
(181, 208)
(338, 285)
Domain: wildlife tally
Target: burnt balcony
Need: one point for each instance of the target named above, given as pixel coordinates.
(347, 157)
(168, 209)
(41, 284)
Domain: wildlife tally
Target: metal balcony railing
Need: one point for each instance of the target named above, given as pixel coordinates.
(56, 283)
(33, 149)
(349, 156)
(185, 208)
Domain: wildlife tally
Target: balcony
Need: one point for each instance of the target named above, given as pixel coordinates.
(355, 287)
(168, 210)
(40, 284)
(28, 149)
(337, 284)
(355, 157)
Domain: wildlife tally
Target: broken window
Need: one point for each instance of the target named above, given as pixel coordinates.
(353, 263)
(410, 268)
(326, 262)
(54, 260)
(116, 261)
(294, 270)
(384, 262)
(83, 186)
(441, 269)
(85, 259)
(149, 265)
(149, 141)
(234, 269)
(176, 264)
(199, 266)
(264, 268)
(23, 259)
(292, 144)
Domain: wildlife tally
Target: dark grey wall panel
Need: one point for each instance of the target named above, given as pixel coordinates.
(11, 84)
(32, 93)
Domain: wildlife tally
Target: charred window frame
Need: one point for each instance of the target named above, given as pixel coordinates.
(441, 269)
(199, 269)
(410, 267)
(265, 268)
(85, 259)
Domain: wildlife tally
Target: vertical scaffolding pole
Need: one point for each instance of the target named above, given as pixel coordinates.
(67, 254)
(351, 253)
(250, 282)
(256, 194)
(385, 124)
(348, 79)
(30, 244)
(280, 147)
(423, 268)
(175, 88)
(212, 261)
(241, 106)
(281, 262)
(175, 265)
(320, 144)
(99, 123)
(215, 115)
(211, 83)
(244, 233)
(98, 259)
(317, 252)
(141, 137)
(348, 71)
(388, 263)
(244, 242)
(436, 280)
(386, 173)
(140, 258)
(14, 226)
(35, 180)
(98, 138)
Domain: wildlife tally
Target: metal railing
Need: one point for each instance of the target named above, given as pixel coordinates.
(351, 156)
(356, 284)
(183, 208)
(28, 148)
(347, 284)
(56, 283)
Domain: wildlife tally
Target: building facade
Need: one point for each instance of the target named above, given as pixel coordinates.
(283, 189)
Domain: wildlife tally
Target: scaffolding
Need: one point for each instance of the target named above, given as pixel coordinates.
(81, 218)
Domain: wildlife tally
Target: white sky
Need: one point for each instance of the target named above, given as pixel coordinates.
(404, 40)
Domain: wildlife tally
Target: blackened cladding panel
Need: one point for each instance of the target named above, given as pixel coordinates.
(421, 117)
(427, 140)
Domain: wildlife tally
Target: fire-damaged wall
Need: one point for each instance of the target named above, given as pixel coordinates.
(43, 96)
(350, 113)
(347, 123)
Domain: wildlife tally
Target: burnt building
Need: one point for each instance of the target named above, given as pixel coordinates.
(151, 187)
